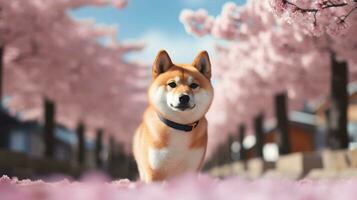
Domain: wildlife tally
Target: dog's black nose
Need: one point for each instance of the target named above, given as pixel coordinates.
(184, 99)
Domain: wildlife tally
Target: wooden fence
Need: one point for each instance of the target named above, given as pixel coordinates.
(251, 160)
(108, 157)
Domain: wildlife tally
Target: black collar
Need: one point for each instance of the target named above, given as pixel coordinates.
(181, 127)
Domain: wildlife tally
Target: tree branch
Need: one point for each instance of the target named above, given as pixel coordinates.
(349, 13)
(325, 5)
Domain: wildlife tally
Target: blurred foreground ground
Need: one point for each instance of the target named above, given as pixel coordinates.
(187, 187)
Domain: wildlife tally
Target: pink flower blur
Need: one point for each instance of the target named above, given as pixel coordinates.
(186, 187)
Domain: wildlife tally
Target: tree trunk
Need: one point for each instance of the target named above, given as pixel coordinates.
(337, 137)
(4, 138)
(242, 152)
(99, 148)
(81, 144)
(258, 126)
(1, 72)
(282, 123)
(49, 128)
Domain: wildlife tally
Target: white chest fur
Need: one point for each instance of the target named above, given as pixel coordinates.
(176, 157)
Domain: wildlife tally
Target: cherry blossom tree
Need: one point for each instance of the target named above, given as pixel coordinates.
(265, 55)
(335, 20)
(47, 54)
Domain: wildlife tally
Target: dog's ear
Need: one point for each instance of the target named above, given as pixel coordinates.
(161, 64)
(203, 64)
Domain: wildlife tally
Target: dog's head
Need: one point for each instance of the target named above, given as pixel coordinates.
(182, 93)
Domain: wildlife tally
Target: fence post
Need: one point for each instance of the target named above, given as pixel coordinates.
(125, 161)
(49, 128)
(229, 150)
(112, 149)
(99, 148)
(258, 126)
(242, 152)
(81, 144)
(337, 137)
(112, 157)
(216, 157)
(221, 155)
(282, 123)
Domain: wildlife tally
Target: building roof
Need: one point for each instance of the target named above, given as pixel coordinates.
(298, 118)
(6, 118)
(352, 91)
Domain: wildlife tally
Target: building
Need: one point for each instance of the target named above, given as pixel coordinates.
(302, 131)
(302, 134)
(27, 137)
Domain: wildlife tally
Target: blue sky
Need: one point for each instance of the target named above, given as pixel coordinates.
(155, 23)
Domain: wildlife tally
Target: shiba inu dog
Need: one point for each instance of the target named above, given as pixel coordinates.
(172, 138)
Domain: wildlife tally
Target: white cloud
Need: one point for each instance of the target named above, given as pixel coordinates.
(181, 48)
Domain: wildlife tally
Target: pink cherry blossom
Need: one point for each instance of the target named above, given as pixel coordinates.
(270, 48)
(48, 54)
(329, 15)
(185, 187)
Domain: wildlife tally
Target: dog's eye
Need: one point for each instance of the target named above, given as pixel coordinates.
(172, 84)
(193, 85)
